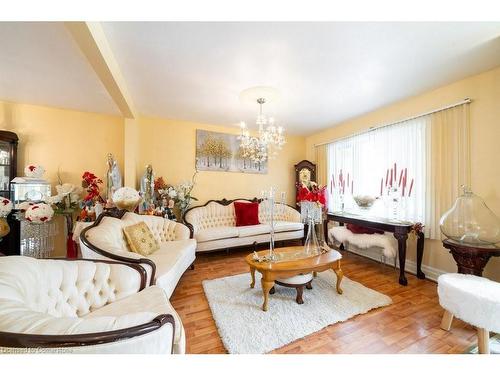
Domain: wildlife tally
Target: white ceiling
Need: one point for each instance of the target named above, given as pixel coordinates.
(325, 72)
(41, 64)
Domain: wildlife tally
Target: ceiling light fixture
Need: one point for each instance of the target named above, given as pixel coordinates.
(270, 138)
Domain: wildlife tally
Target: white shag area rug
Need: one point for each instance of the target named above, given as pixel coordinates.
(245, 328)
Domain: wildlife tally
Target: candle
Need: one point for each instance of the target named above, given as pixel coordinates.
(386, 178)
(395, 171)
(381, 185)
(352, 187)
(406, 175)
(411, 187)
(348, 180)
(390, 182)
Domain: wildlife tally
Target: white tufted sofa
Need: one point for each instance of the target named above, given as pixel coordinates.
(213, 226)
(105, 240)
(83, 306)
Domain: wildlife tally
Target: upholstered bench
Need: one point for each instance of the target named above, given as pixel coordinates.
(473, 299)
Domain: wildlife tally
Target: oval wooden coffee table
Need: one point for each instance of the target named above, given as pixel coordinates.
(293, 262)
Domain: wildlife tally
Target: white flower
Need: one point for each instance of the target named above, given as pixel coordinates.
(65, 189)
(172, 193)
(34, 170)
(181, 196)
(24, 205)
(76, 194)
(39, 213)
(54, 199)
(5, 207)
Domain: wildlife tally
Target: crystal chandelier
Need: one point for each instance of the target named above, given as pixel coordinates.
(269, 141)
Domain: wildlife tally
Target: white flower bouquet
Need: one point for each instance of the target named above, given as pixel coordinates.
(67, 198)
(5, 207)
(127, 198)
(39, 213)
(34, 171)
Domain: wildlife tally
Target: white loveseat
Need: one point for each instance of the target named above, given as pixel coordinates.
(83, 306)
(105, 240)
(213, 225)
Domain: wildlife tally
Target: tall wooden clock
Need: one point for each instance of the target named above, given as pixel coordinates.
(305, 172)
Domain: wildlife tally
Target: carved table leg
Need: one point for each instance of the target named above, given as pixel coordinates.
(309, 285)
(300, 291)
(252, 273)
(470, 263)
(420, 255)
(402, 237)
(340, 275)
(266, 287)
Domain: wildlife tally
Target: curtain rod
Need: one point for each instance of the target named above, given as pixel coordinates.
(372, 128)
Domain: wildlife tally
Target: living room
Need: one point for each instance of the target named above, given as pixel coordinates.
(182, 187)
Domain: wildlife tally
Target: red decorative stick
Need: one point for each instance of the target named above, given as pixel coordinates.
(395, 172)
(411, 187)
(406, 175)
(400, 178)
(390, 183)
(386, 178)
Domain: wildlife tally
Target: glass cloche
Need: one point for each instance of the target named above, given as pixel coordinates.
(470, 221)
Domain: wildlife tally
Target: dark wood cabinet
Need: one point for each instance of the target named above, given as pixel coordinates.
(8, 161)
(9, 245)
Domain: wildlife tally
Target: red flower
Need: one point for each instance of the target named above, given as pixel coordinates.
(42, 219)
(31, 168)
(5, 202)
(35, 207)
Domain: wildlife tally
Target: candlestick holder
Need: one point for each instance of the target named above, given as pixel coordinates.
(271, 210)
(311, 214)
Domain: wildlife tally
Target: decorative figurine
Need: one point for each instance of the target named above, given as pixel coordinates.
(113, 177)
(147, 188)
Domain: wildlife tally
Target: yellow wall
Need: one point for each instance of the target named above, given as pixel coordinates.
(484, 90)
(170, 146)
(70, 141)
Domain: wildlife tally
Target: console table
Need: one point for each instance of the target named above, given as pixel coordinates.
(400, 230)
(471, 259)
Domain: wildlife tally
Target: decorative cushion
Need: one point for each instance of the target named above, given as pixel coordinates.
(217, 233)
(141, 239)
(253, 230)
(358, 229)
(246, 213)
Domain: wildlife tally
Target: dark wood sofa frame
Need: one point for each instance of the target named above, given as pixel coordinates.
(23, 340)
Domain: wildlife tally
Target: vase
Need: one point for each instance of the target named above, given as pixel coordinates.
(4, 227)
(470, 221)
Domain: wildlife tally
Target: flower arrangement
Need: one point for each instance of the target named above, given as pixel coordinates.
(67, 199)
(179, 195)
(24, 206)
(91, 185)
(312, 193)
(127, 198)
(39, 213)
(5, 207)
(34, 171)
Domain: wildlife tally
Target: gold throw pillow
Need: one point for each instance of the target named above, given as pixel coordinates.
(141, 239)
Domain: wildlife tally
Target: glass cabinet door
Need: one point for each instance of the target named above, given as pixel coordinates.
(5, 168)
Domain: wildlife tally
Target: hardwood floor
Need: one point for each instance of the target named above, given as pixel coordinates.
(409, 325)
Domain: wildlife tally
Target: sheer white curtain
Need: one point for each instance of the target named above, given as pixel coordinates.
(367, 157)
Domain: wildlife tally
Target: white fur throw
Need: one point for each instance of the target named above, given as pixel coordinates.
(473, 299)
(386, 241)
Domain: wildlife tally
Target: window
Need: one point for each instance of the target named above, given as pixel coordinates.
(367, 157)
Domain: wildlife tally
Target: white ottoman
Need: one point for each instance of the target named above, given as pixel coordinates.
(473, 299)
(298, 282)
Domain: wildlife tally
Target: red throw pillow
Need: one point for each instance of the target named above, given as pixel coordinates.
(246, 213)
(358, 229)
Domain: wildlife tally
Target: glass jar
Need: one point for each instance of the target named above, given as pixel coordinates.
(470, 221)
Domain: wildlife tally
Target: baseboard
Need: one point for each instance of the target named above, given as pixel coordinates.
(431, 273)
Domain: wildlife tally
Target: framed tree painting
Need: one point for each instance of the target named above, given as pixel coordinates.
(221, 152)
